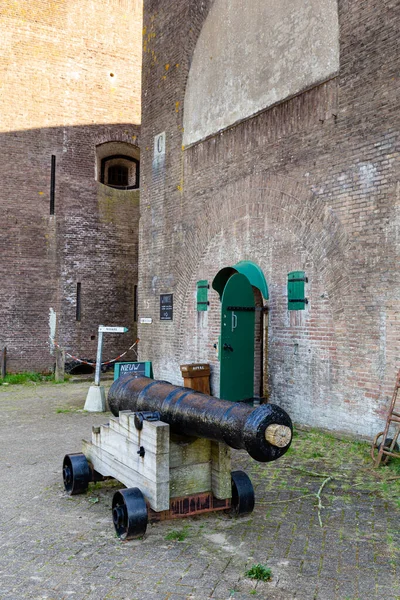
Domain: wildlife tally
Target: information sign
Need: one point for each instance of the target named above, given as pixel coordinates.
(166, 307)
(104, 329)
(138, 368)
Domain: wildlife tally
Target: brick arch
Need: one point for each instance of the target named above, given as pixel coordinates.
(284, 205)
(130, 134)
(291, 206)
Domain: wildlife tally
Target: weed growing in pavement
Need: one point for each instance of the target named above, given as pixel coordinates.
(177, 535)
(71, 409)
(259, 572)
(343, 465)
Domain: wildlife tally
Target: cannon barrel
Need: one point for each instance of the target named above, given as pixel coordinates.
(265, 432)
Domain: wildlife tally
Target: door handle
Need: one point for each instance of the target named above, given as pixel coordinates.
(234, 321)
(228, 347)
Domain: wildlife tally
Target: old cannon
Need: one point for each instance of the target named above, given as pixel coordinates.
(170, 446)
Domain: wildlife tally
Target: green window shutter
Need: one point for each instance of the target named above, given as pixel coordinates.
(295, 290)
(202, 295)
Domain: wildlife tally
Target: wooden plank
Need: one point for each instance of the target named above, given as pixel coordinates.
(221, 470)
(150, 436)
(154, 465)
(3, 362)
(192, 479)
(156, 493)
(188, 451)
(59, 373)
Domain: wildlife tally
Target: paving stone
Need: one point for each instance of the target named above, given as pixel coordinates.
(53, 546)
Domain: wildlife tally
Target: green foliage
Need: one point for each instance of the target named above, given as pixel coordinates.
(27, 378)
(177, 535)
(259, 572)
(317, 454)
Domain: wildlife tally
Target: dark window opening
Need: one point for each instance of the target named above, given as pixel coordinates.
(120, 171)
(78, 301)
(118, 175)
(135, 303)
(52, 184)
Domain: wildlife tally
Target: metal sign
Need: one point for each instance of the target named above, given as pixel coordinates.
(166, 307)
(103, 329)
(159, 145)
(136, 368)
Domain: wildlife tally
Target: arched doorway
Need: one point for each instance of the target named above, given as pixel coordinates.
(241, 289)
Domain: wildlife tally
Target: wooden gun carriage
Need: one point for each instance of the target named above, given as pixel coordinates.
(170, 447)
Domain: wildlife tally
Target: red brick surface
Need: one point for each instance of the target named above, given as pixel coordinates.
(70, 80)
(310, 184)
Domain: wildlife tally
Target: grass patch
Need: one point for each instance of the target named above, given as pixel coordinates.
(29, 377)
(259, 572)
(177, 535)
(316, 455)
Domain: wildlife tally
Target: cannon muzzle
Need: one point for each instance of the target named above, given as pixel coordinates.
(265, 432)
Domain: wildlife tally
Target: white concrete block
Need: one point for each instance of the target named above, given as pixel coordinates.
(95, 399)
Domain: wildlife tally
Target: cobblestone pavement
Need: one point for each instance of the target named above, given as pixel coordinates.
(53, 546)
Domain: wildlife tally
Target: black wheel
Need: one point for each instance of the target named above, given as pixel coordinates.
(377, 446)
(242, 493)
(76, 473)
(388, 443)
(129, 513)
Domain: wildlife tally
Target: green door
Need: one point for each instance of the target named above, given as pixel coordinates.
(236, 344)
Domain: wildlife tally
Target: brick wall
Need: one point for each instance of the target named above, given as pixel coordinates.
(70, 80)
(309, 184)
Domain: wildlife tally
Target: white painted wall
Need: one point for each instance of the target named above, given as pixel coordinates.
(250, 55)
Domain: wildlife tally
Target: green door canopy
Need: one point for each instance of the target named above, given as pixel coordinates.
(252, 271)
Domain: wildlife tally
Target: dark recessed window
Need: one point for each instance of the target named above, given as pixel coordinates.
(135, 303)
(120, 171)
(78, 301)
(118, 175)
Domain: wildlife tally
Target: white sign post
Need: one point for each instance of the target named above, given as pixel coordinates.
(96, 397)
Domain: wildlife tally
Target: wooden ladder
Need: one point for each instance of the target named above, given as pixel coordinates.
(393, 417)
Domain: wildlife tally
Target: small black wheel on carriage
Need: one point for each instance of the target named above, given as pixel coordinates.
(129, 512)
(242, 493)
(76, 473)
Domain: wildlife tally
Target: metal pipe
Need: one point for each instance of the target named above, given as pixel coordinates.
(265, 432)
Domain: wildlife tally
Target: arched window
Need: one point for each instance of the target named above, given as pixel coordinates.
(119, 170)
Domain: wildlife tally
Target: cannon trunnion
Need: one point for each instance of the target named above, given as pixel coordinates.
(170, 447)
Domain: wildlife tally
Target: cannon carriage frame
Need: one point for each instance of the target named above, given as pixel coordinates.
(171, 448)
(167, 476)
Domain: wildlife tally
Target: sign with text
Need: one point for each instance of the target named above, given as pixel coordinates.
(166, 307)
(103, 329)
(137, 368)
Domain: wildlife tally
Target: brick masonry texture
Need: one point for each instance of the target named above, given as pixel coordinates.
(309, 184)
(70, 80)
